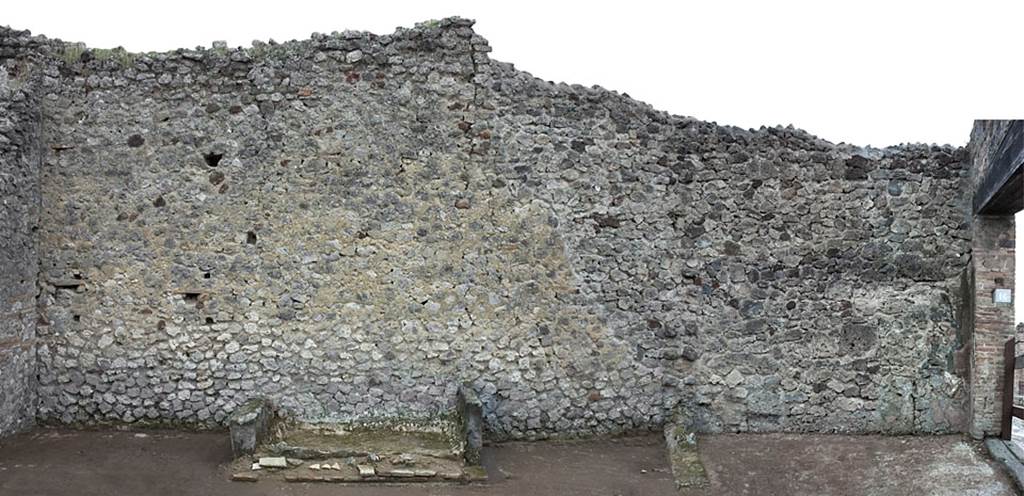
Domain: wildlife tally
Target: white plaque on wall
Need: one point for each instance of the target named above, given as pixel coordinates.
(1002, 295)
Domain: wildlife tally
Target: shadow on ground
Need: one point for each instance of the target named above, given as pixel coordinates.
(155, 463)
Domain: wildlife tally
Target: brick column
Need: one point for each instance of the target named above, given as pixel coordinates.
(993, 267)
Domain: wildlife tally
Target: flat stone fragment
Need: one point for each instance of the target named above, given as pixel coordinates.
(474, 474)
(366, 470)
(734, 378)
(403, 459)
(273, 462)
(320, 478)
(244, 477)
(397, 472)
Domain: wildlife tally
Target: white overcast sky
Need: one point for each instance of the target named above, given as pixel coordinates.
(865, 72)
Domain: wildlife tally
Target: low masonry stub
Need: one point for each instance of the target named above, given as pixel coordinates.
(687, 468)
(249, 426)
(470, 413)
(681, 441)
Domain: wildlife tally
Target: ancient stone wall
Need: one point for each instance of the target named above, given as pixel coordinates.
(794, 284)
(353, 225)
(19, 219)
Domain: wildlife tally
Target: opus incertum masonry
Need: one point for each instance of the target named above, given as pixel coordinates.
(355, 226)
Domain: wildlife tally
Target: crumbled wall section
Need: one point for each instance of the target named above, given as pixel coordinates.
(19, 217)
(354, 225)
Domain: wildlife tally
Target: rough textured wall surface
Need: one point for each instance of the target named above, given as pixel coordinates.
(354, 224)
(19, 217)
(773, 280)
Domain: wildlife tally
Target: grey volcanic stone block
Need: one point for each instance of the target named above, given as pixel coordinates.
(249, 425)
(470, 412)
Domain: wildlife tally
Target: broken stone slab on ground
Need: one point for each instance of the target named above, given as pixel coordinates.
(273, 462)
(443, 447)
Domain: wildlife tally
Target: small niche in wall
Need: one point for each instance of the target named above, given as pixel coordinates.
(212, 159)
(75, 283)
(250, 238)
(136, 141)
(70, 285)
(193, 298)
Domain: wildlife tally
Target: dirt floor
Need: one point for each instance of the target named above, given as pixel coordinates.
(60, 462)
(803, 464)
(153, 463)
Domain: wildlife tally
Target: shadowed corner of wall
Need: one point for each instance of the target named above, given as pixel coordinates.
(681, 439)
